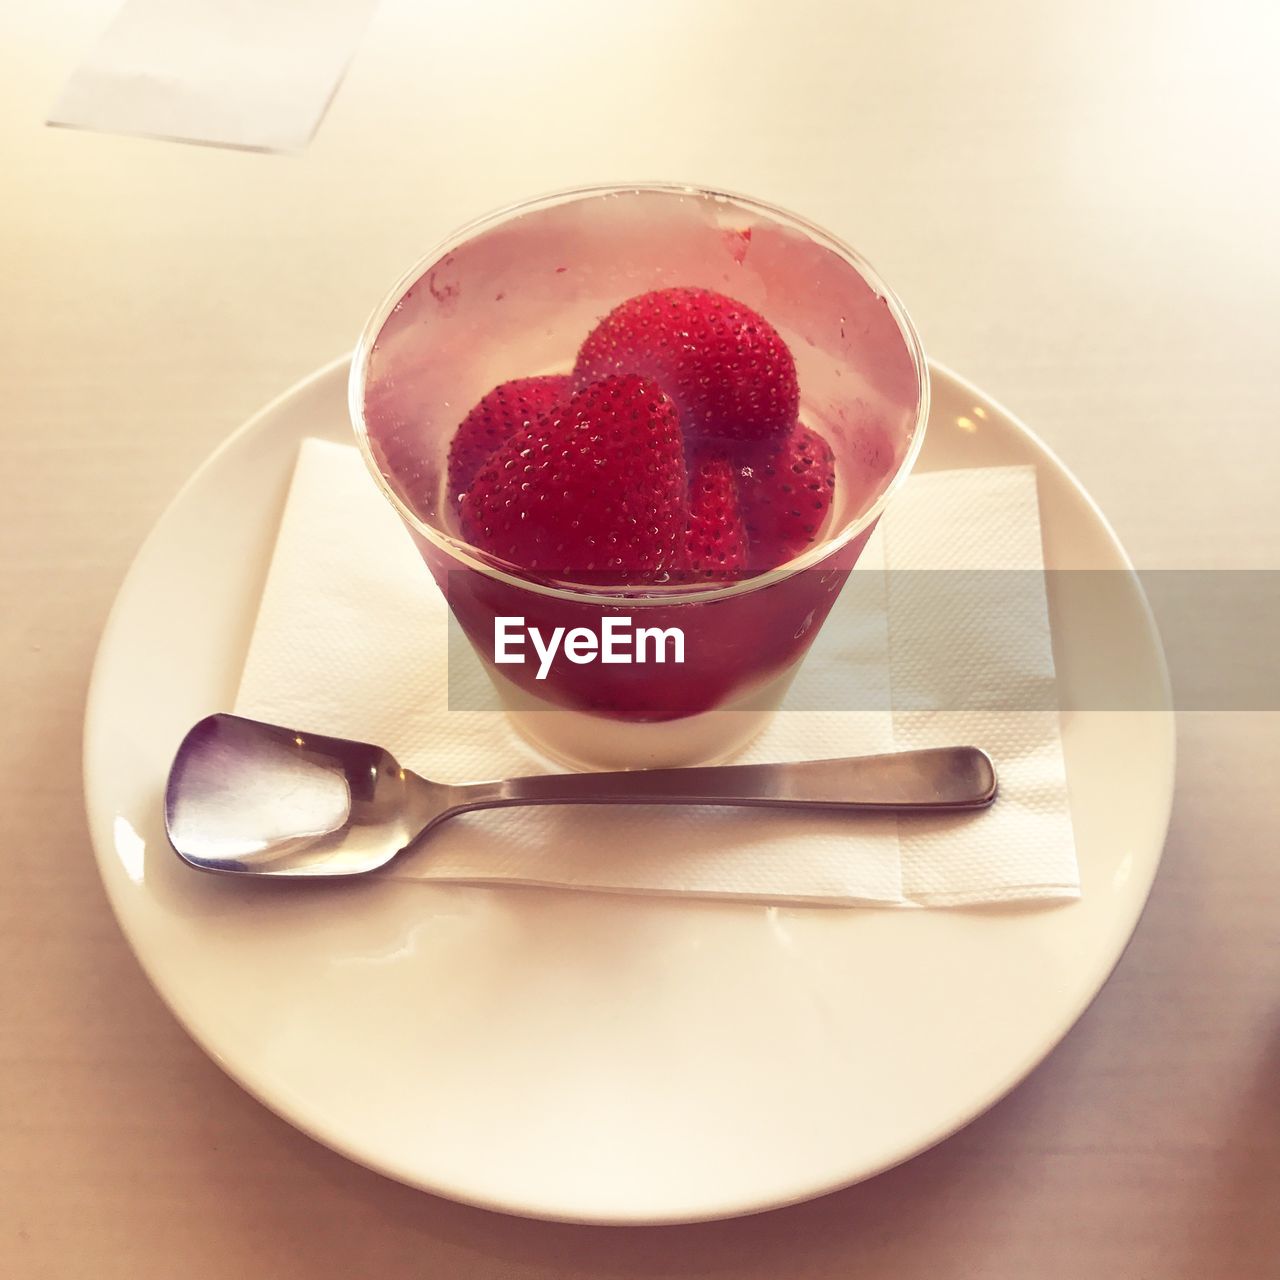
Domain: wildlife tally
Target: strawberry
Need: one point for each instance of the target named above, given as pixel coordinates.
(785, 492)
(715, 541)
(594, 493)
(504, 411)
(726, 367)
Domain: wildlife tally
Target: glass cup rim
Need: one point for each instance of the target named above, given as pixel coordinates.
(634, 596)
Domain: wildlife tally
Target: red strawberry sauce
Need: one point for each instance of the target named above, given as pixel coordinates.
(733, 644)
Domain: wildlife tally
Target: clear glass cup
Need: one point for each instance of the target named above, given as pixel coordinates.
(513, 295)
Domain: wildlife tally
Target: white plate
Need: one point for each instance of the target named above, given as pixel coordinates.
(591, 1057)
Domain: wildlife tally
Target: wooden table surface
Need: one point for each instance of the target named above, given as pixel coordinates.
(1078, 203)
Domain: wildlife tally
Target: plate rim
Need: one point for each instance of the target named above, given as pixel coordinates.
(283, 1108)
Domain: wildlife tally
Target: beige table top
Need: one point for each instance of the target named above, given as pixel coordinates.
(1079, 204)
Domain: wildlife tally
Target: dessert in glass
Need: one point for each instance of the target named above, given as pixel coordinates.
(655, 425)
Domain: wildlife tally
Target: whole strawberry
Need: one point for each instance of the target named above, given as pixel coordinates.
(785, 492)
(594, 493)
(726, 367)
(715, 541)
(504, 411)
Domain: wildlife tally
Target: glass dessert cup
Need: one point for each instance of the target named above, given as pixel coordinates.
(514, 295)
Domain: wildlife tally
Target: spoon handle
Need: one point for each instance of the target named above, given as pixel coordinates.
(933, 779)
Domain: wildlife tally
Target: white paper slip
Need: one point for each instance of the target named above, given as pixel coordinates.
(352, 637)
(236, 73)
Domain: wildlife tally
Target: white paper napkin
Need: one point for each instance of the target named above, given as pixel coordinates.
(352, 635)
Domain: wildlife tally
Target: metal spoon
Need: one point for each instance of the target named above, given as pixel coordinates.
(259, 799)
